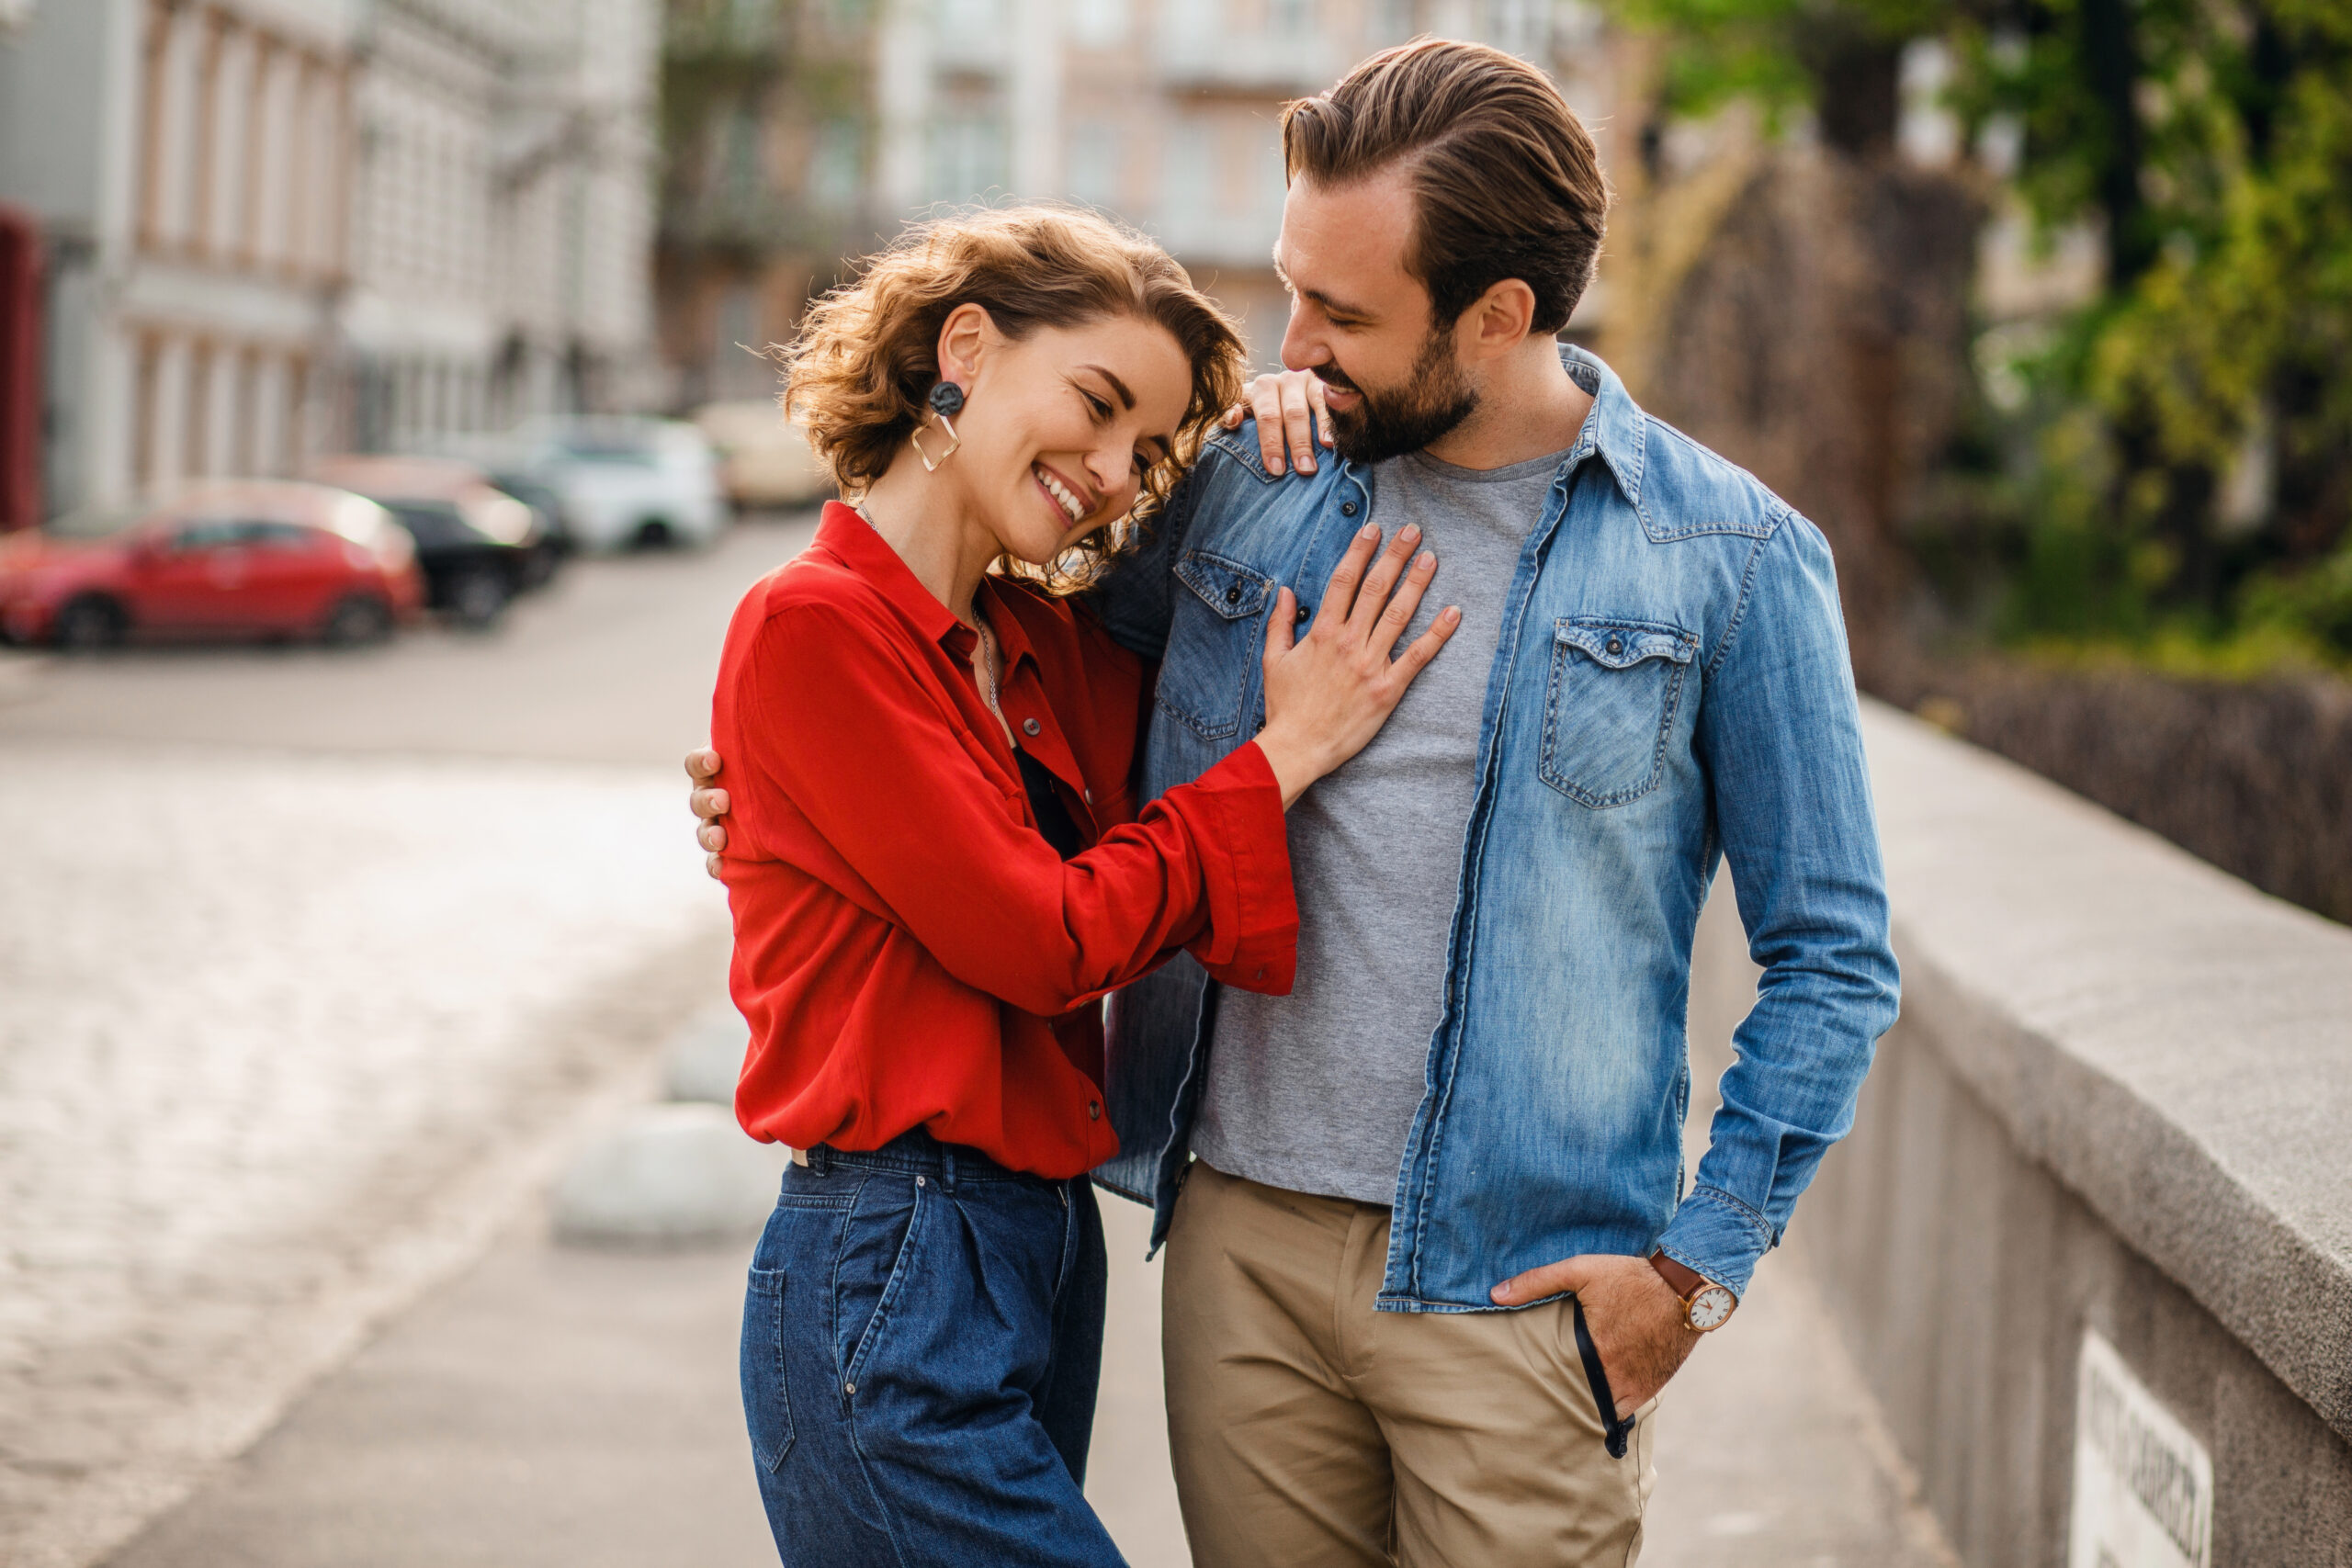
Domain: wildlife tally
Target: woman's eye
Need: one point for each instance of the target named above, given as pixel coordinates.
(1096, 406)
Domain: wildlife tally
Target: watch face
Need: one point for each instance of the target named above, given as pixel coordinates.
(1710, 1307)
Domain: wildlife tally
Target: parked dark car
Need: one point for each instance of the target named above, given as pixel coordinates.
(478, 545)
(554, 541)
(221, 558)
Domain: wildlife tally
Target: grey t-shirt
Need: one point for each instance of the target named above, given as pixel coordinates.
(1315, 1091)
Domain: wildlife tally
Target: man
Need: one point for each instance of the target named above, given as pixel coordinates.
(1431, 1253)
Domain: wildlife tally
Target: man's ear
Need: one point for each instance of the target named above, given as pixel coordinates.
(1500, 318)
(963, 339)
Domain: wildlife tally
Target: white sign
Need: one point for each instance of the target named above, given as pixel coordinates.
(2144, 1487)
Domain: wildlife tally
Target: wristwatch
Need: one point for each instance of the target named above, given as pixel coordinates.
(1705, 1306)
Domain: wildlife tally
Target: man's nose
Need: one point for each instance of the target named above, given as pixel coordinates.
(1302, 348)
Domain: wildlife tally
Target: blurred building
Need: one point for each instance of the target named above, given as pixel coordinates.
(276, 227)
(1162, 112)
(501, 227)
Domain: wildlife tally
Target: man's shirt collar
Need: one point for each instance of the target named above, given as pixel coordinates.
(1616, 428)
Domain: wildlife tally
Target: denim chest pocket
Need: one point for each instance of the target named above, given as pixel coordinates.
(1205, 679)
(1609, 711)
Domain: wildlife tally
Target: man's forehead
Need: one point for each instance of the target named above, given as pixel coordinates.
(1348, 239)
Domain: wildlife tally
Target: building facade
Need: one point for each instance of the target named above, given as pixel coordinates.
(1163, 113)
(275, 228)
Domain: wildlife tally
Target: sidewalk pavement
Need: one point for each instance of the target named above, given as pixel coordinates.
(557, 1407)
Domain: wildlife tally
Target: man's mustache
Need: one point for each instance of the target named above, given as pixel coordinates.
(1332, 376)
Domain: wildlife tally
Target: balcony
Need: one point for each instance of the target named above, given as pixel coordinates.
(1192, 54)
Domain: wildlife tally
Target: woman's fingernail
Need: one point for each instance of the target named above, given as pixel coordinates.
(1428, 561)
(1409, 531)
(1368, 532)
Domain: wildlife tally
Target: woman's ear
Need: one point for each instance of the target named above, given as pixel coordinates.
(963, 339)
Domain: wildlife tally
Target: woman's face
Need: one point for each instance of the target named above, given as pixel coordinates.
(1059, 426)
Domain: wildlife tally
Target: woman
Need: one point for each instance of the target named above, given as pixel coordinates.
(935, 869)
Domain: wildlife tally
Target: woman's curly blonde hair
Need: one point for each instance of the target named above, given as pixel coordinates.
(866, 355)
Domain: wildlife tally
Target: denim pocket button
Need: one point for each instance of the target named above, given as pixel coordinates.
(1347, 509)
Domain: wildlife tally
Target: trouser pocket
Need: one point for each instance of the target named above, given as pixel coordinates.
(877, 1252)
(1615, 1429)
(767, 1403)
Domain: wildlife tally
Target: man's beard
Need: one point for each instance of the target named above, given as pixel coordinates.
(1435, 397)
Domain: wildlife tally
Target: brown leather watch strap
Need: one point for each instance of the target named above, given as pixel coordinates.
(1684, 1282)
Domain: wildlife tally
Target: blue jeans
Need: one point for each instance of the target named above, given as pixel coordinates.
(923, 1335)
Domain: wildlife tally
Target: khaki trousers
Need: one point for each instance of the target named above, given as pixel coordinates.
(1309, 1430)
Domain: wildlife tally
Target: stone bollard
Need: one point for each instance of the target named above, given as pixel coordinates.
(706, 1056)
(669, 1176)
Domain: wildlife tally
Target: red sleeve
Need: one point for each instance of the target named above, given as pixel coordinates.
(862, 749)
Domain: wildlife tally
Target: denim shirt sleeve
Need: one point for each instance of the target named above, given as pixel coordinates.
(1135, 599)
(1780, 731)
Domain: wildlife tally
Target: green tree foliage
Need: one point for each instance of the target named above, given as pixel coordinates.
(2197, 438)
(2189, 444)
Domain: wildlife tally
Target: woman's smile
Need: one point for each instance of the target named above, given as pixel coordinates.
(1071, 501)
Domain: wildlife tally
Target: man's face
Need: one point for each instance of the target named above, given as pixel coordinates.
(1360, 322)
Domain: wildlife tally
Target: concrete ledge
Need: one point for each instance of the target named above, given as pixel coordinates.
(2173, 1046)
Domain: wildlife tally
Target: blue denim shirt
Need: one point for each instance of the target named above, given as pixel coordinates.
(1672, 684)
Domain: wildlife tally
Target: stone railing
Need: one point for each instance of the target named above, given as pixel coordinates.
(2103, 1165)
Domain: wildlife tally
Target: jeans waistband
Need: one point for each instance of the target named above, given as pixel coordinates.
(916, 1152)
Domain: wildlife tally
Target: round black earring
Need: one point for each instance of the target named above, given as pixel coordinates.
(947, 399)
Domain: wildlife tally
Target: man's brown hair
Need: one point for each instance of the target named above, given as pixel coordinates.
(1506, 180)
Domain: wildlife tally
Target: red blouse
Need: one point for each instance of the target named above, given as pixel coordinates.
(908, 950)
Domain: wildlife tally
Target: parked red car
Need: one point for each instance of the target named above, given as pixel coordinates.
(231, 558)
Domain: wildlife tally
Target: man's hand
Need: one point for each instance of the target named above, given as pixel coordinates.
(709, 802)
(1281, 399)
(1636, 1321)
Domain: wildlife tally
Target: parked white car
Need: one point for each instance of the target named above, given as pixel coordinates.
(762, 460)
(625, 481)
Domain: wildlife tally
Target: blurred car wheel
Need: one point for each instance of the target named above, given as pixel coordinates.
(358, 620)
(88, 621)
(477, 598)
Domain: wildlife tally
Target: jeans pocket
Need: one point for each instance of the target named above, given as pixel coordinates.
(1609, 707)
(877, 1252)
(767, 1403)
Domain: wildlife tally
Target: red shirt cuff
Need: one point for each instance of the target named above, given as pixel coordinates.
(1252, 936)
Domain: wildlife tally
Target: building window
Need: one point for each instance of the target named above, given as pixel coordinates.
(738, 173)
(1520, 26)
(976, 21)
(837, 166)
(1094, 153)
(969, 157)
(1392, 22)
(1186, 183)
(1098, 24)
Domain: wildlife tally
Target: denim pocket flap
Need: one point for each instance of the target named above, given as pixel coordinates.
(1227, 587)
(1621, 645)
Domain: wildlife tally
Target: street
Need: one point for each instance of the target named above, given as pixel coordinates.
(317, 965)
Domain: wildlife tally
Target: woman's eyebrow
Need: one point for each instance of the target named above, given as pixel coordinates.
(1125, 397)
